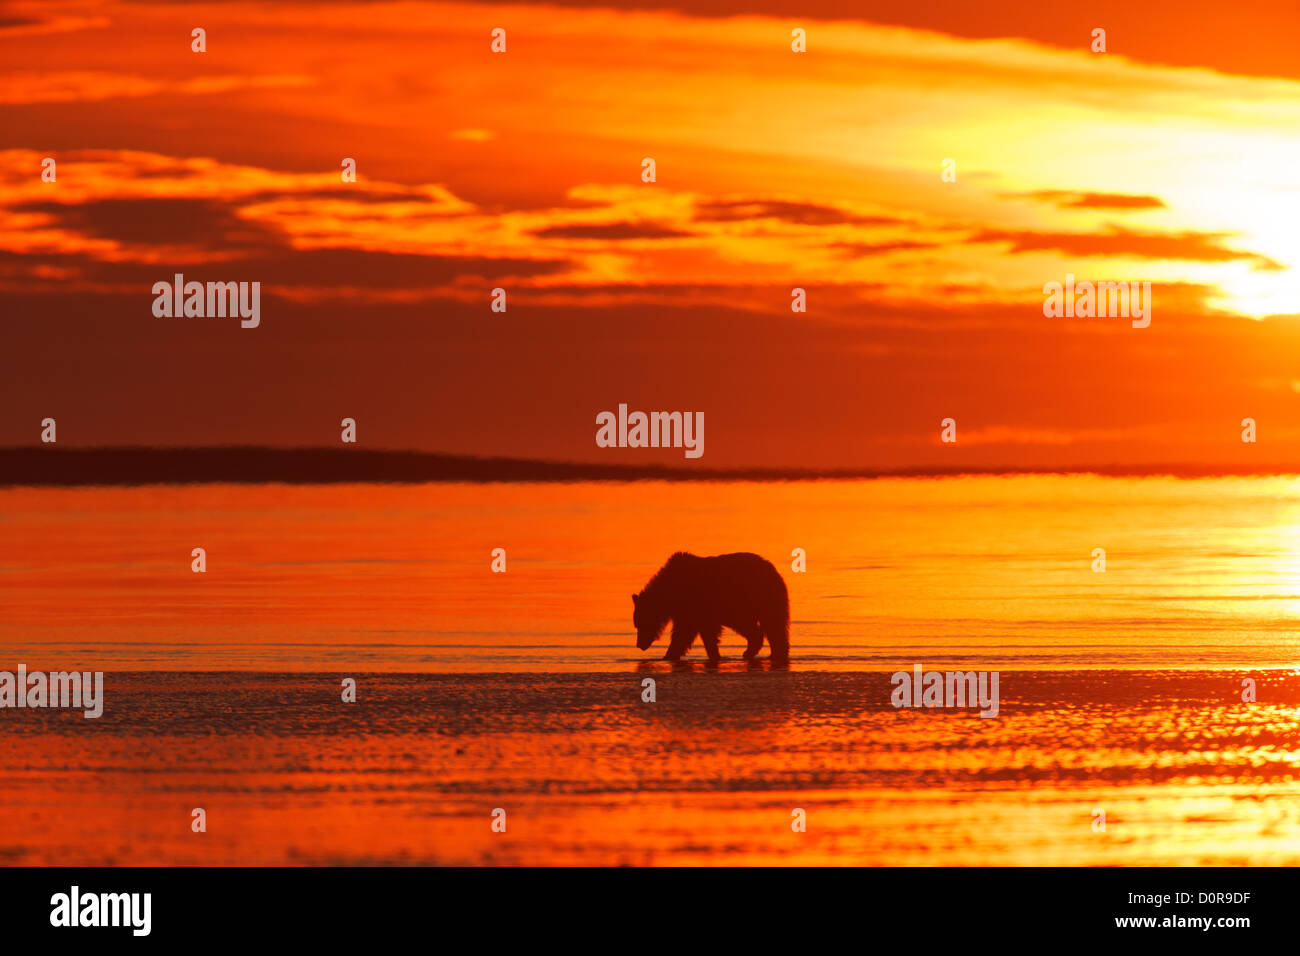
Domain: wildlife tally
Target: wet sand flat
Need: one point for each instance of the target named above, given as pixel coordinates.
(709, 773)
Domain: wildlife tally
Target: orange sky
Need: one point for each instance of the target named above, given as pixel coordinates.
(1172, 158)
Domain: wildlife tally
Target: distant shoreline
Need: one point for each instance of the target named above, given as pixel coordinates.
(45, 466)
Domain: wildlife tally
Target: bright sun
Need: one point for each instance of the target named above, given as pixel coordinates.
(1258, 293)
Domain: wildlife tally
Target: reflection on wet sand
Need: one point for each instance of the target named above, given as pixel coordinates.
(589, 773)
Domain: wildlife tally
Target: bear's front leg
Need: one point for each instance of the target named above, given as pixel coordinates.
(682, 638)
(709, 634)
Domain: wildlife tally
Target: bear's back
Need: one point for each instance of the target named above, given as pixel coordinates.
(741, 571)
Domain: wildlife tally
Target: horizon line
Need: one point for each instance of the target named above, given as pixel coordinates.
(36, 465)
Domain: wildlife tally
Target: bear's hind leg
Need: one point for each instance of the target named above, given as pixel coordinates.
(709, 634)
(683, 637)
(778, 639)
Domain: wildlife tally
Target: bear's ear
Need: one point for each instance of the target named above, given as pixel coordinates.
(634, 600)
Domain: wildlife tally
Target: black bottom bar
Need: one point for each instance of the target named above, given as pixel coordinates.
(622, 906)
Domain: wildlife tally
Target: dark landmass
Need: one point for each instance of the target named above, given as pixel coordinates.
(43, 466)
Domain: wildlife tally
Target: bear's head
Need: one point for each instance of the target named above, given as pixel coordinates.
(649, 623)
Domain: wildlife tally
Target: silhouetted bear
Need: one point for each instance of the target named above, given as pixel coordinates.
(703, 595)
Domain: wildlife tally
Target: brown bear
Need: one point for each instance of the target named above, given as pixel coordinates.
(701, 596)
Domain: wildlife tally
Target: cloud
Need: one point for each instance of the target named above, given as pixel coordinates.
(1022, 435)
(780, 178)
(612, 231)
(1113, 242)
(1086, 200)
(165, 221)
(799, 213)
(41, 23)
(1256, 42)
(91, 87)
(882, 248)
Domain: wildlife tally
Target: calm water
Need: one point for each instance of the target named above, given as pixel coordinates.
(1119, 690)
(990, 571)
